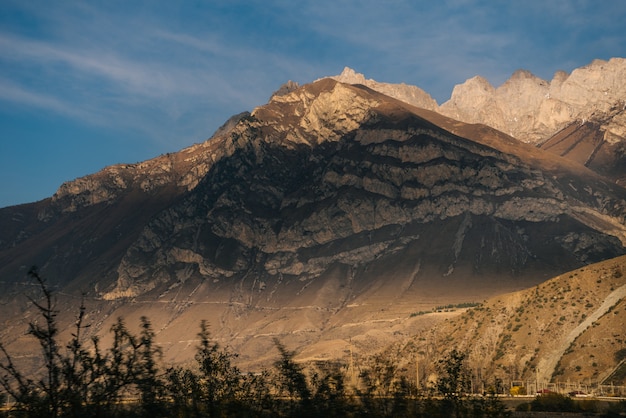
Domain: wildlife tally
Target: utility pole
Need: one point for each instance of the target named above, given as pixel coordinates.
(536, 379)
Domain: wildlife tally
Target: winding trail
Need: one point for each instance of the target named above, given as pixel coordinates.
(547, 365)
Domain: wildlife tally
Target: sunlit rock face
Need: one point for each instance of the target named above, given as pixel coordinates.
(409, 94)
(580, 116)
(531, 109)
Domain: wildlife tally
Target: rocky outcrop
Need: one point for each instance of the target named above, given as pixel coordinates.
(531, 109)
(579, 116)
(409, 94)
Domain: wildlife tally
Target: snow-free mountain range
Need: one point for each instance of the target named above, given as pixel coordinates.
(330, 216)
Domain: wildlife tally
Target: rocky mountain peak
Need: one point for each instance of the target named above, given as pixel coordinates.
(598, 85)
(559, 77)
(524, 106)
(320, 112)
(532, 109)
(477, 83)
(409, 94)
(476, 88)
(286, 88)
(349, 76)
(523, 74)
(476, 92)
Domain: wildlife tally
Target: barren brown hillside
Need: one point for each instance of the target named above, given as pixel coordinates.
(569, 328)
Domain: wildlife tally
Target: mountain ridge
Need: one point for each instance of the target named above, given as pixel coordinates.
(334, 201)
(534, 110)
(524, 106)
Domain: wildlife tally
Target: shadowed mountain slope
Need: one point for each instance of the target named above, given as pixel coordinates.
(597, 143)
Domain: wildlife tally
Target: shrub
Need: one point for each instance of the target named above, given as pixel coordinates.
(553, 402)
(81, 379)
(517, 391)
(620, 355)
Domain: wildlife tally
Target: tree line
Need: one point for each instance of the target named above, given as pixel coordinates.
(82, 379)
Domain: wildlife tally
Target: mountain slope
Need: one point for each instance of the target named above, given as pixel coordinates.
(569, 328)
(329, 214)
(297, 216)
(598, 143)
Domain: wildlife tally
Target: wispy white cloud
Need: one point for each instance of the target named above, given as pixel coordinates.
(19, 95)
(133, 76)
(99, 86)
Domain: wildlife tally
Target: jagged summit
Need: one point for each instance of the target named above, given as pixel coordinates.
(525, 106)
(580, 116)
(534, 110)
(407, 93)
(348, 75)
(286, 88)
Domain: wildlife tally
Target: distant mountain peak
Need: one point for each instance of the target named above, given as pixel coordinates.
(525, 106)
(532, 109)
(559, 77)
(348, 75)
(412, 95)
(286, 88)
(522, 74)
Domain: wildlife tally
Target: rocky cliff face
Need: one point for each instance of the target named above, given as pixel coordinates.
(409, 94)
(531, 109)
(333, 201)
(540, 112)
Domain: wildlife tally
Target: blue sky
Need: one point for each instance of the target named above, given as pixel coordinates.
(86, 84)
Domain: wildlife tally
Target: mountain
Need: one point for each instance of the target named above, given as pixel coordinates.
(324, 218)
(580, 116)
